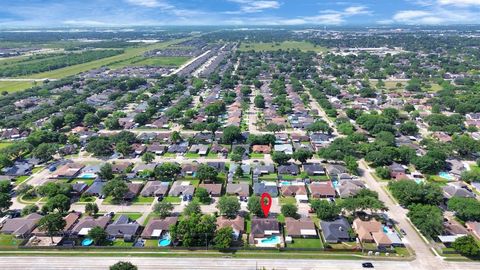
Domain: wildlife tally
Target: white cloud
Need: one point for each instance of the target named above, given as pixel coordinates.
(460, 2)
(252, 6)
(151, 3)
(435, 16)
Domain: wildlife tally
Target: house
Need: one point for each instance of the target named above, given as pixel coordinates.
(264, 169)
(123, 228)
(18, 169)
(178, 148)
(181, 188)
(371, 231)
(474, 228)
(300, 228)
(96, 189)
(286, 148)
(219, 166)
(265, 187)
(334, 171)
(322, 190)
(261, 149)
(237, 224)
(157, 148)
(314, 169)
(456, 190)
(155, 228)
(86, 223)
(199, 149)
(349, 188)
(70, 220)
(120, 167)
(215, 190)
(262, 227)
(69, 170)
(139, 168)
(21, 227)
(242, 190)
(396, 170)
(155, 188)
(79, 188)
(189, 169)
(293, 190)
(289, 169)
(133, 191)
(336, 231)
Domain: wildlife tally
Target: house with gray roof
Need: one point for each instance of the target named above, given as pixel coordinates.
(96, 189)
(314, 169)
(155, 188)
(242, 189)
(265, 187)
(21, 227)
(123, 227)
(336, 231)
(181, 188)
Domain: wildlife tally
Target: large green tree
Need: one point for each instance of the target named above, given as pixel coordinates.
(228, 206)
(52, 224)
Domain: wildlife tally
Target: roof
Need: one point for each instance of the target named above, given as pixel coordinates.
(181, 188)
(68, 170)
(288, 169)
(293, 190)
(237, 224)
(313, 168)
(270, 188)
(336, 230)
(90, 222)
(70, 220)
(322, 189)
(262, 226)
(154, 188)
(454, 191)
(21, 226)
(300, 227)
(365, 229)
(122, 227)
(133, 190)
(155, 225)
(213, 189)
(95, 188)
(348, 188)
(241, 189)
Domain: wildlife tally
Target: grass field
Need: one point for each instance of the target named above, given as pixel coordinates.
(7, 240)
(15, 86)
(5, 144)
(129, 53)
(286, 45)
(306, 243)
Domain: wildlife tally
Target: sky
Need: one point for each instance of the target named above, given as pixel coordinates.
(103, 13)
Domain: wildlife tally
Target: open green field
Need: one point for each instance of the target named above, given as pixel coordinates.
(286, 45)
(161, 61)
(5, 144)
(129, 54)
(15, 86)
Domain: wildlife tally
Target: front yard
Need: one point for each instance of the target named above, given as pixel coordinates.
(306, 243)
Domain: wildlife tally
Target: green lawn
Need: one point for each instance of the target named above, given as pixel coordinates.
(287, 200)
(128, 54)
(37, 169)
(151, 243)
(7, 240)
(143, 200)
(170, 155)
(192, 155)
(86, 199)
(4, 144)
(286, 45)
(150, 216)
(130, 215)
(281, 218)
(269, 177)
(174, 200)
(161, 61)
(21, 179)
(15, 86)
(306, 243)
(121, 243)
(257, 155)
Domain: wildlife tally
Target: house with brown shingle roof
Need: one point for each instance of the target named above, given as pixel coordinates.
(263, 149)
(322, 190)
(215, 190)
(300, 228)
(156, 227)
(70, 220)
(371, 231)
(242, 189)
(237, 224)
(293, 190)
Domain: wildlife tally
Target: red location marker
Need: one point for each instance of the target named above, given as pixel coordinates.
(266, 205)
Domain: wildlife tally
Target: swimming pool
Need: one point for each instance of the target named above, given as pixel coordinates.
(335, 184)
(165, 241)
(446, 175)
(87, 176)
(272, 240)
(285, 183)
(87, 242)
(419, 180)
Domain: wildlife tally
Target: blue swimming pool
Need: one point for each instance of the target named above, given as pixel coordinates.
(87, 176)
(272, 240)
(419, 180)
(87, 242)
(165, 241)
(446, 175)
(335, 184)
(285, 183)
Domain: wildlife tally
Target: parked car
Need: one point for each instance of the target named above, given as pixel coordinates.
(403, 231)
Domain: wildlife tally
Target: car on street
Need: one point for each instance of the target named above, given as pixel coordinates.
(367, 265)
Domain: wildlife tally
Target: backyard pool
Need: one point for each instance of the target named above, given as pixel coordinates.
(419, 180)
(87, 176)
(165, 241)
(446, 175)
(285, 183)
(272, 240)
(335, 184)
(87, 242)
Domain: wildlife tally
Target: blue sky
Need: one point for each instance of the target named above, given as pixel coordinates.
(53, 13)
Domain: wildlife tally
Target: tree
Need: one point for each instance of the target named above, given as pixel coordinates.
(141, 119)
(106, 172)
(100, 146)
(465, 145)
(98, 235)
(116, 188)
(5, 202)
(302, 155)
(409, 193)
(112, 123)
(45, 151)
(124, 148)
(90, 120)
(325, 210)
(280, 157)
(346, 128)
(29, 209)
(202, 195)
(148, 157)
(175, 137)
(59, 202)
(259, 102)
(192, 208)
(408, 128)
(228, 206)
(466, 209)
(427, 218)
(272, 127)
(382, 172)
(321, 126)
(194, 230)
(467, 246)
(351, 164)
(163, 209)
(52, 224)
(167, 171)
(123, 266)
(205, 172)
(231, 134)
(91, 209)
(254, 206)
(223, 238)
(289, 210)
